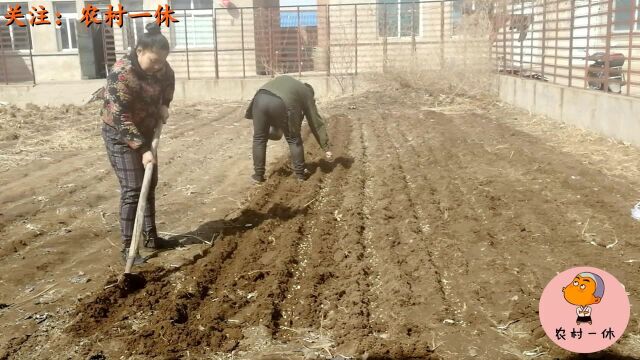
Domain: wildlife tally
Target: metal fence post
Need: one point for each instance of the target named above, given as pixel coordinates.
(215, 39)
(33, 69)
(299, 44)
(105, 54)
(504, 38)
(607, 51)
(631, 23)
(186, 43)
(493, 47)
(464, 49)
(328, 39)
(244, 68)
(571, 33)
(384, 40)
(271, 50)
(533, 35)
(586, 62)
(511, 12)
(555, 55)
(521, 44)
(4, 58)
(544, 35)
(413, 32)
(442, 34)
(355, 13)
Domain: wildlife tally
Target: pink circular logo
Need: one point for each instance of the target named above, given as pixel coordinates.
(584, 310)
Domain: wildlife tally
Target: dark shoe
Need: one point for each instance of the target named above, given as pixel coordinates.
(304, 176)
(155, 242)
(138, 260)
(257, 178)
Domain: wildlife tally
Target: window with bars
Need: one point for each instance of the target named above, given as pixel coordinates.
(398, 18)
(66, 31)
(622, 15)
(460, 8)
(14, 37)
(195, 24)
(134, 27)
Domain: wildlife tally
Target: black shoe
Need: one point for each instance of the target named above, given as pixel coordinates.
(138, 260)
(257, 178)
(155, 242)
(304, 176)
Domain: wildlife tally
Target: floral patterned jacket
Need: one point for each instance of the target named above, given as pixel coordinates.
(132, 100)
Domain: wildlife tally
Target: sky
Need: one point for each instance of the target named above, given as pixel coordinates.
(297, 2)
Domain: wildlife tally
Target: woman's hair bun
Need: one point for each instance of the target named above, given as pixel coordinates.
(152, 39)
(153, 28)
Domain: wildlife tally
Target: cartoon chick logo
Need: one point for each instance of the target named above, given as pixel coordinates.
(586, 289)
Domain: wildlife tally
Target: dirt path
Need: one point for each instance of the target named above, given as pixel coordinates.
(431, 235)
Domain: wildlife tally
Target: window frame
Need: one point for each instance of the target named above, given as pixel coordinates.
(190, 15)
(24, 7)
(465, 8)
(130, 26)
(398, 31)
(632, 28)
(66, 18)
(132, 30)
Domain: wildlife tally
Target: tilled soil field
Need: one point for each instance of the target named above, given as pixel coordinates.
(430, 235)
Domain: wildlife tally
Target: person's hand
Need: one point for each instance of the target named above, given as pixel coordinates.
(328, 155)
(148, 158)
(164, 114)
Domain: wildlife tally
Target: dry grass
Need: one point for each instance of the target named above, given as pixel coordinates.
(37, 132)
(465, 66)
(258, 343)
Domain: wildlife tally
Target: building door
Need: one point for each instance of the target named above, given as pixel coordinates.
(96, 47)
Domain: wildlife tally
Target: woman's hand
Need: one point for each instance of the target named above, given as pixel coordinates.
(328, 155)
(148, 158)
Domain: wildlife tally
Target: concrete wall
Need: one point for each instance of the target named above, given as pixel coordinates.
(15, 68)
(57, 68)
(611, 115)
(79, 92)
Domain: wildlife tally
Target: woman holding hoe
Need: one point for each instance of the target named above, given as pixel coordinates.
(139, 90)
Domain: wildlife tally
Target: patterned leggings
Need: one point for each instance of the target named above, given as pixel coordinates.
(127, 164)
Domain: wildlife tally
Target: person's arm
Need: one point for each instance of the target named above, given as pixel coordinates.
(316, 124)
(120, 91)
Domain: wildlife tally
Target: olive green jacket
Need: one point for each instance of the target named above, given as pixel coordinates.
(300, 102)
